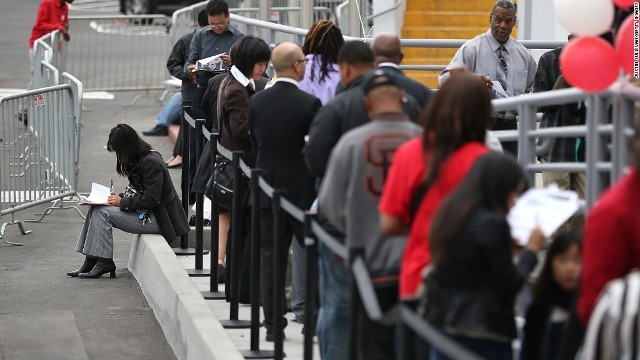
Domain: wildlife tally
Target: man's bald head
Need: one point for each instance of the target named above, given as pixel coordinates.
(387, 48)
(284, 57)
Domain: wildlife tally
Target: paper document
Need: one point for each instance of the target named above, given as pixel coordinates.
(548, 208)
(99, 195)
(213, 63)
(500, 91)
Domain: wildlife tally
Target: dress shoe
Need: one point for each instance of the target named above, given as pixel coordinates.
(157, 131)
(271, 337)
(89, 263)
(174, 162)
(102, 267)
(221, 273)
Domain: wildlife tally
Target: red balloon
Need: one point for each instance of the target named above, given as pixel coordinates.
(624, 4)
(625, 46)
(589, 63)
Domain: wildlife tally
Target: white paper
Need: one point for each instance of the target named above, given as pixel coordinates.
(548, 208)
(175, 82)
(499, 89)
(212, 63)
(99, 195)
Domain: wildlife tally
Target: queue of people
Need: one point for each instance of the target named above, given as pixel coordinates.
(404, 173)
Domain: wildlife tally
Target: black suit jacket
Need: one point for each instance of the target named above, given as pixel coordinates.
(279, 119)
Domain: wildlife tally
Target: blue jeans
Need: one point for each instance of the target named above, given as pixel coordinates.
(333, 318)
(170, 113)
(486, 349)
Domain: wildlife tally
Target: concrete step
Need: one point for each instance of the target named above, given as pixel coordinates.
(447, 19)
(438, 32)
(444, 5)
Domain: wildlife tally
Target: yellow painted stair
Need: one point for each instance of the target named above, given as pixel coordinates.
(441, 19)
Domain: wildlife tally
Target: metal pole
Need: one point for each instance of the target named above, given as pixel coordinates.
(306, 14)
(354, 18)
(233, 279)
(265, 15)
(254, 352)
(622, 110)
(354, 311)
(526, 144)
(184, 239)
(199, 271)
(311, 279)
(213, 293)
(278, 276)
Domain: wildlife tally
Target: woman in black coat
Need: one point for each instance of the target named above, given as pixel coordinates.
(473, 284)
(149, 206)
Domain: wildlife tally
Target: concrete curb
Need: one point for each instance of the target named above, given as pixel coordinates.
(191, 328)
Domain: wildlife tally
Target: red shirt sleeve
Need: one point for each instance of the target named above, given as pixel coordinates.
(405, 173)
(605, 252)
(45, 19)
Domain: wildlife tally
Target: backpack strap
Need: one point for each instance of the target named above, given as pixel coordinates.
(417, 198)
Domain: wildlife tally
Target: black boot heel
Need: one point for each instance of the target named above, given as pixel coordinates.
(89, 263)
(102, 267)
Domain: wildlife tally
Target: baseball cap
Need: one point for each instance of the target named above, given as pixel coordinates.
(379, 77)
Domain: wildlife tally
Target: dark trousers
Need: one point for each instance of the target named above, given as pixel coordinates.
(290, 227)
(197, 113)
(244, 270)
(375, 340)
(486, 349)
(509, 147)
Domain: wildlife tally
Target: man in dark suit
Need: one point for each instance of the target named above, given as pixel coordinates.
(279, 120)
(387, 53)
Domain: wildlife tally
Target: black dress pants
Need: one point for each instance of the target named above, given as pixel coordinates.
(290, 227)
(509, 147)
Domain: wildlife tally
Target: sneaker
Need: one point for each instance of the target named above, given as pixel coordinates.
(221, 273)
(157, 131)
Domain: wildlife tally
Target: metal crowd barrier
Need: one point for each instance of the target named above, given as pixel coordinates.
(39, 156)
(102, 48)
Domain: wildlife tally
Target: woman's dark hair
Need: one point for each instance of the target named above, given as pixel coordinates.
(546, 290)
(129, 148)
(325, 39)
(217, 7)
(492, 178)
(248, 51)
(457, 114)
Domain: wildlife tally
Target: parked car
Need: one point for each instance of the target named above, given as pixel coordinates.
(141, 7)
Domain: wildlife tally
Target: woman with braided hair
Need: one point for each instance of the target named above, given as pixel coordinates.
(321, 46)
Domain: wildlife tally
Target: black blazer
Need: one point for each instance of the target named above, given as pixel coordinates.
(155, 192)
(279, 119)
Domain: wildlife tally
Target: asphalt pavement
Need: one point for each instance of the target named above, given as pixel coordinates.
(43, 313)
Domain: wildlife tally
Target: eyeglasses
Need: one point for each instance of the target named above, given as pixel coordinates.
(303, 60)
(219, 24)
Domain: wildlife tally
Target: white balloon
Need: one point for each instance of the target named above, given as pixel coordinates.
(585, 17)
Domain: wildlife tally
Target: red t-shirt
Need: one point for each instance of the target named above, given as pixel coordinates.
(51, 16)
(406, 174)
(611, 247)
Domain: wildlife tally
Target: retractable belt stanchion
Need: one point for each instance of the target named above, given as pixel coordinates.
(355, 305)
(236, 233)
(199, 271)
(213, 293)
(184, 239)
(278, 283)
(254, 352)
(311, 279)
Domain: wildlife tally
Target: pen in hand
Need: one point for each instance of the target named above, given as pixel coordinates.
(112, 191)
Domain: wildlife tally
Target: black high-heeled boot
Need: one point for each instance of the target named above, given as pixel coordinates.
(102, 267)
(89, 263)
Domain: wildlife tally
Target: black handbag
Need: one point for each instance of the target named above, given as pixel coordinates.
(220, 185)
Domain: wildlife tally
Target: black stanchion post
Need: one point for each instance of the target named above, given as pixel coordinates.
(213, 293)
(355, 305)
(184, 239)
(199, 271)
(236, 233)
(311, 281)
(278, 276)
(254, 352)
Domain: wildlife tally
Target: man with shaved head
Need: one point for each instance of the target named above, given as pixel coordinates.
(387, 53)
(350, 193)
(279, 120)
